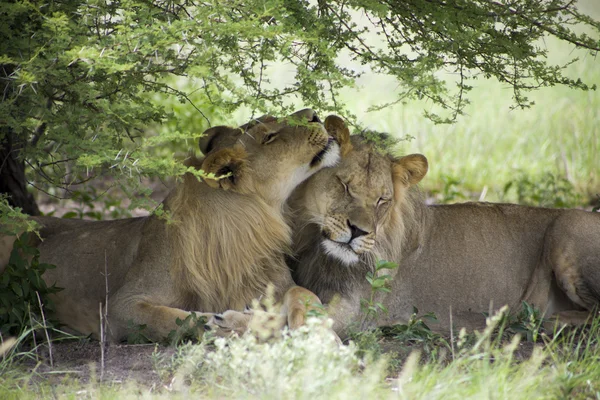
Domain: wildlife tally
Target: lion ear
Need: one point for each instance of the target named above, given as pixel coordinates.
(409, 170)
(218, 136)
(230, 162)
(337, 128)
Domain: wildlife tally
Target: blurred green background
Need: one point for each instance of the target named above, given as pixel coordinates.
(493, 145)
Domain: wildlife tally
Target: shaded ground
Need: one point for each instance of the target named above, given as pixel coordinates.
(82, 361)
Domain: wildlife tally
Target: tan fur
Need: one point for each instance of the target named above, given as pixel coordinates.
(462, 257)
(249, 233)
(225, 244)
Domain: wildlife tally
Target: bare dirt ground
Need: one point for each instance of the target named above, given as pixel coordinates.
(81, 361)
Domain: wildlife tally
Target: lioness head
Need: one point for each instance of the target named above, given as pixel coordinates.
(270, 156)
(346, 208)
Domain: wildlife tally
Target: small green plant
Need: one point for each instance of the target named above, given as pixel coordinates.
(13, 219)
(528, 322)
(189, 329)
(166, 363)
(20, 285)
(136, 333)
(368, 342)
(379, 284)
(547, 190)
(416, 329)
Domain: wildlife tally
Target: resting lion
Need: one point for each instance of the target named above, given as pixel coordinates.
(465, 258)
(226, 244)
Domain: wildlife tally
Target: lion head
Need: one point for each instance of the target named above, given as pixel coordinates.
(269, 156)
(230, 235)
(348, 216)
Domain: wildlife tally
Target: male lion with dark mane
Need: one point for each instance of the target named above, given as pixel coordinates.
(463, 259)
(226, 244)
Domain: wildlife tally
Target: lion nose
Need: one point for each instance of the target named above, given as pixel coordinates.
(355, 231)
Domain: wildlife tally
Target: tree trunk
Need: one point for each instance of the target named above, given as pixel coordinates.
(12, 165)
(12, 174)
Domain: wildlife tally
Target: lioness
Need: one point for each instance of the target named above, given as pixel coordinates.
(226, 243)
(458, 258)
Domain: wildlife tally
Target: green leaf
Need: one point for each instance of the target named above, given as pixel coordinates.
(385, 265)
(16, 289)
(70, 215)
(25, 288)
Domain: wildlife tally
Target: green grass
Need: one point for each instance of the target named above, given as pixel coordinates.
(307, 364)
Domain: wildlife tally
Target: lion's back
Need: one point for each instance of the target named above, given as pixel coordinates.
(84, 250)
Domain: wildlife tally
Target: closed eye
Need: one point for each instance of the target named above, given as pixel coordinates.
(345, 185)
(270, 137)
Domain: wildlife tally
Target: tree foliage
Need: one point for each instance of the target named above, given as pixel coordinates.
(88, 86)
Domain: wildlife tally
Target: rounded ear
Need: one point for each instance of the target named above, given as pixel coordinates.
(227, 165)
(217, 136)
(337, 128)
(409, 170)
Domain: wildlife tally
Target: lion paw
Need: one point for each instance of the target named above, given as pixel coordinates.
(229, 323)
(264, 325)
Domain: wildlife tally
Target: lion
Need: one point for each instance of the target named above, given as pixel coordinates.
(226, 243)
(457, 261)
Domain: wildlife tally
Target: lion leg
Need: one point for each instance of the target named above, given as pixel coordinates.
(573, 252)
(297, 303)
(78, 315)
(263, 324)
(158, 320)
(230, 322)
